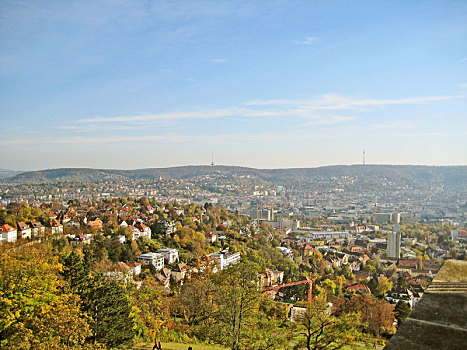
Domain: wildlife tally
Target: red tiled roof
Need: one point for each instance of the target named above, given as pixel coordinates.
(7, 228)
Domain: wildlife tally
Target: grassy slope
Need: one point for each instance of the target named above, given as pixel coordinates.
(179, 346)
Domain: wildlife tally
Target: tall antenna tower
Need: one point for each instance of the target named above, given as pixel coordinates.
(212, 158)
(363, 156)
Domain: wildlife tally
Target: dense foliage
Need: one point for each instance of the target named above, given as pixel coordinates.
(57, 293)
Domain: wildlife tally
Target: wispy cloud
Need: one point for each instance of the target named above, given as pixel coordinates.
(100, 127)
(462, 60)
(398, 124)
(220, 138)
(337, 102)
(162, 116)
(218, 60)
(318, 111)
(423, 134)
(308, 41)
(303, 112)
(462, 86)
(336, 119)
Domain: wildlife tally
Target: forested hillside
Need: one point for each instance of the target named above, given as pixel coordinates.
(398, 173)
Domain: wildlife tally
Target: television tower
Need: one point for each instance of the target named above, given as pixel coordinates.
(363, 156)
(212, 158)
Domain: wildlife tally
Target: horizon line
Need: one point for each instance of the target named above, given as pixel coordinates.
(237, 166)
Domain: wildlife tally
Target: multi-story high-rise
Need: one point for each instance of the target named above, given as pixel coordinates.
(394, 245)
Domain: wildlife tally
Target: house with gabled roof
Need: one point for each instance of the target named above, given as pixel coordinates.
(9, 233)
(36, 228)
(163, 277)
(180, 272)
(145, 231)
(56, 226)
(96, 224)
(24, 231)
(211, 237)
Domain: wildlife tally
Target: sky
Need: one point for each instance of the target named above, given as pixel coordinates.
(264, 84)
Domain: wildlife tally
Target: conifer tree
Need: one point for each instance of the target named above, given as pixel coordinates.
(108, 304)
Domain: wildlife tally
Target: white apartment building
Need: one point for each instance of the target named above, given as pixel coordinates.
(155, 259)
(226, 258)
(170, 255)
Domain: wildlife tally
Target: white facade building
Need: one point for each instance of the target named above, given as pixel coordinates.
(170, 255)
(155, 259)
(226, 258)
(24, 230)
(9, 234)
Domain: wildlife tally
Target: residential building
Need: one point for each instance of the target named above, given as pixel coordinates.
(166, 226)
(211, 237)
(309, 236)
(56, 226)
(382, 218)
(24, 230)
(9, 234)
(394, 245)
(287, 252)
(36, 228)
(145, 231)
(226, 258)
(155, 259)
(170, 255)
(271, 278)
(398, 293)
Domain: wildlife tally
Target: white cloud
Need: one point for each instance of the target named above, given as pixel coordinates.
(221, 138)
(218, 60)
(335, 119)
(308, 41)
(304, 112)
(398, 124)
(319, 111)
(160, 116)
(337, 102)
(423, 134)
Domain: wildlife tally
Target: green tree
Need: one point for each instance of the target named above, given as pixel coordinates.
(149, 305)
(384, 285)
(402, 310)
(318, 329)
(108, 304)
(196, 301)
(237, 300)
(35, 309)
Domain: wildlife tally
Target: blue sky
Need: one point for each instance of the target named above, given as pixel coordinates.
(268, 84)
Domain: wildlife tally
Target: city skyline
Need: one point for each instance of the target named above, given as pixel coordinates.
(129, 85)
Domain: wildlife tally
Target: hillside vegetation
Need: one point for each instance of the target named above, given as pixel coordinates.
(400, 173)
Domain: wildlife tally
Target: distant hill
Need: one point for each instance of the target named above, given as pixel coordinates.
(5, 173)
(410, 174)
